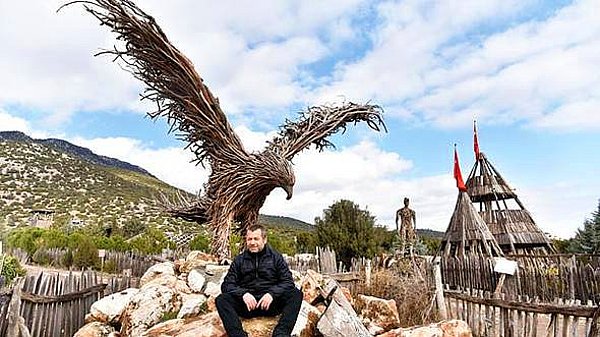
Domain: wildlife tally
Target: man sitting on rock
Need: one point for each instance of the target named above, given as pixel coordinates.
(259, 283)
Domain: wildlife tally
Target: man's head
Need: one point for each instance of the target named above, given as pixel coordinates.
(406, 201)
(256, 238)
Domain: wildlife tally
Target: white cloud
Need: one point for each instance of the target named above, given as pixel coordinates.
(11, 123)
(248, 52)
(171, 165)
(561, 208)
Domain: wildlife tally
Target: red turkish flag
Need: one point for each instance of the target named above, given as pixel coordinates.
(457, 175)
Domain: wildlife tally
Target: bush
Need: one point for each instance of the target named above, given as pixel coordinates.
(201, 243)
(67, 259)
(26, 239)
(408, 288)
(41, 257)
(86, 255)
(282, 244)
(153, 241)
(110, 266)
(11, 268)
(54, 238)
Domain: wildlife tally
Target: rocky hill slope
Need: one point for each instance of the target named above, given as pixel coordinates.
(80, 187)
(36, 176)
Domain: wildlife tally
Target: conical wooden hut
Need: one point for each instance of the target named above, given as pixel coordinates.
(498, 205)
(467, 233)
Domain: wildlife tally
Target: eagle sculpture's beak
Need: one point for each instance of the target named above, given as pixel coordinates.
(289, 189)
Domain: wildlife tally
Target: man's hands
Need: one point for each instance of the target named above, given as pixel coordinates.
(263, 303)
(250, 301)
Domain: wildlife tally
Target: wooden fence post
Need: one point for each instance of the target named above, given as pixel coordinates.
(16, 323)
(368, 273)
(439, 288)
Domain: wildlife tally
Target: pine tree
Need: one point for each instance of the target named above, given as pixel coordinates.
(348, 230)
(587, 240)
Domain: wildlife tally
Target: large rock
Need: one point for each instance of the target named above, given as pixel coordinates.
(196, 280)
(170, 281)
(306, 324)
(340, 319)
(109, 309)
(157, 270)
(311, 285)
(208, 325)
(212, 289)
(451, 328)
(191, 306)
(196, 260)
(379, 312)
(148, 307)
(260, 326)
(94, 329)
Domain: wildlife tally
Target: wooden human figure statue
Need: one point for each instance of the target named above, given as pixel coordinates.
(406, 227)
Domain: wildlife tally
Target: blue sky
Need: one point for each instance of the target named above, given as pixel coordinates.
(528, 71)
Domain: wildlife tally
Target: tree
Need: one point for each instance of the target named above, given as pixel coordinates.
(348, 230)
(282, 243)
(587, 240)
(306, 242)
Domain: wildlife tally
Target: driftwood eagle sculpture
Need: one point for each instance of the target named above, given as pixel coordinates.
(239, 182)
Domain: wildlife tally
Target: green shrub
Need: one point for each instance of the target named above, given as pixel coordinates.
(41, 257)
(282, 244)
(153, 241)
(200, 242)
(11, 268)
(26, 239)
(110, 266)
(86, 255)
(54, 238)
(67, 259)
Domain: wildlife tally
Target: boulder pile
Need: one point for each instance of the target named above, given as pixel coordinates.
(178, 299)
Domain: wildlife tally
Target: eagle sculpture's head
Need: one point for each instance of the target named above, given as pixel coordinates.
(276, 171)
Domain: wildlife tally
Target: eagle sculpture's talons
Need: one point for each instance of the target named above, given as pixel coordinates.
(239, 182)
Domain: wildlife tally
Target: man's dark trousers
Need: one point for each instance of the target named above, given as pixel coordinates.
(230, 308)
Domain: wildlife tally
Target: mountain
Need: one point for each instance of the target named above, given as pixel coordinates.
(78, 186)
(430, 233)
(284, 222)
(77, 151)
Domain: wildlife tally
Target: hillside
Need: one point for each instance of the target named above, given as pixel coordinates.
(36, 176)
(283, 222)
(69, 148)
(82, 187)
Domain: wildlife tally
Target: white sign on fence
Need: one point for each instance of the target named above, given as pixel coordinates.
(504, 266)
(101, 253)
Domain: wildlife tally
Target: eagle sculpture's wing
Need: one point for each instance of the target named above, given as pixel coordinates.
(172, 82)
(319, 122)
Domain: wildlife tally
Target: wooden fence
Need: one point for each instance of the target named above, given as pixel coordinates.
(133, 263)
(498, 317)
(56, 304)
(549, 296)
(547, 278)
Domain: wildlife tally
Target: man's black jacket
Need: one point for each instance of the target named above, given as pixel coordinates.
(258, 274)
